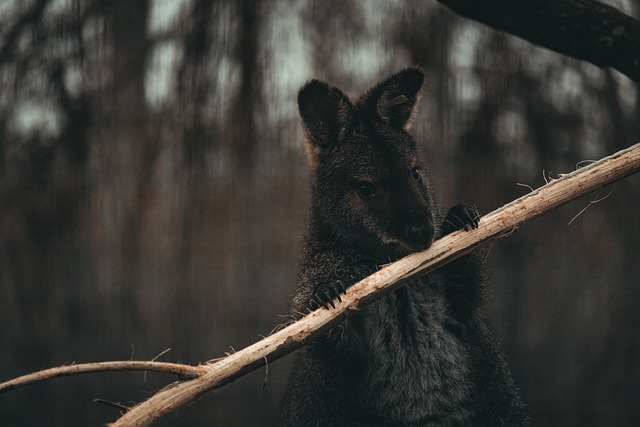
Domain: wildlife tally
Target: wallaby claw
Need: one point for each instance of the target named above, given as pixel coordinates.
(461, 217)
(325, 295)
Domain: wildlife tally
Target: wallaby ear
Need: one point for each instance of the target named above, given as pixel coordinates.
(393, 101)
(326, 113)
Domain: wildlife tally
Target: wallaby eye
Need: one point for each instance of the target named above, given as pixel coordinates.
(366, 190)
(415, 174)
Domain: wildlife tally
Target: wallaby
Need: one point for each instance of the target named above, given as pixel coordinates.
(421, 355)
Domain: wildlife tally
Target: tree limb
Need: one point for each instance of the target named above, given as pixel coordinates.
(496, 224)
(223, 371)
(583, 29)
(184, 371)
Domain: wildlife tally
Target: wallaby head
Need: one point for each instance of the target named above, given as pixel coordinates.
(369, 189)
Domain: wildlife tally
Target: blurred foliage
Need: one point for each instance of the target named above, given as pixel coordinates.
(152, 193)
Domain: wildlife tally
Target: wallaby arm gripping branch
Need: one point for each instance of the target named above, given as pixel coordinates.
(493, 225)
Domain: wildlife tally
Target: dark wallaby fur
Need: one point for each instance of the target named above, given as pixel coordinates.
(422, 355)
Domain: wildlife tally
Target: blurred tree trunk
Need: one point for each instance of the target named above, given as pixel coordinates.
(128, 150)
(244, 111)
(195, 85)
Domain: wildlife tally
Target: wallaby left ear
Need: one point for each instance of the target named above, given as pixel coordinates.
(325, 112)
(393, 101)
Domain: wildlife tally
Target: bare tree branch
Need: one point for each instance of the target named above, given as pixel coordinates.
(583, 29)
(496, 224)
(184, 371)
(223, 371)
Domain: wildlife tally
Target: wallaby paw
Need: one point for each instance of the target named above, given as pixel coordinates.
(461, 217)
(326, 293)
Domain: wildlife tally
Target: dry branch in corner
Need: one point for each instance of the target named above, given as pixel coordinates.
(493, 225)
(584, 29)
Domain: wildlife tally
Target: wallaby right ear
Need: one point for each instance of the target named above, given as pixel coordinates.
(326, 113)
(393, 101)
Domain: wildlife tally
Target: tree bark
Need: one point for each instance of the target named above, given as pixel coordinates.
(583, 29)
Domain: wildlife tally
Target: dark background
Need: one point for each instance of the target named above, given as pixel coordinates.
(153, 192)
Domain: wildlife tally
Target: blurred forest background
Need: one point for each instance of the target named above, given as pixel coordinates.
(153, 193)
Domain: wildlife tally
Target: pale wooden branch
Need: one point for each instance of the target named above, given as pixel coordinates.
(496, 224)
(223, 371)
(184, 371)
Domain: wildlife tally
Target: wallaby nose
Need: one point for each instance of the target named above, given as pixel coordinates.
(419, 235)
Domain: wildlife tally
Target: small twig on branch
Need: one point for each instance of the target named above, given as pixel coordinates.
(120, 406)
(183, 371)
(496, 224)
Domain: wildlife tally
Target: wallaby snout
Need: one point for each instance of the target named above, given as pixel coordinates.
(419, 235)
